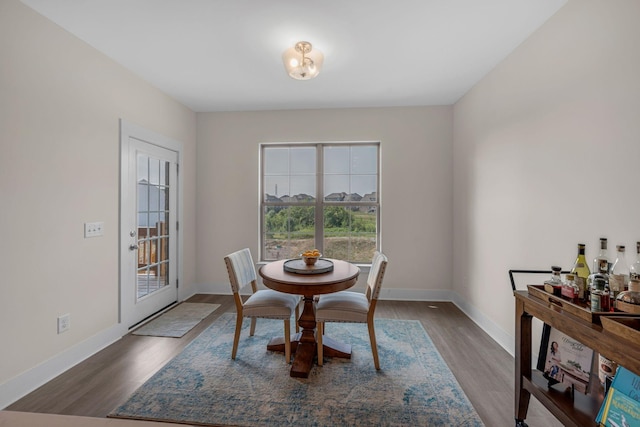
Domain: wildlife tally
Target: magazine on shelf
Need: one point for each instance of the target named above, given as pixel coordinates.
(564, 360)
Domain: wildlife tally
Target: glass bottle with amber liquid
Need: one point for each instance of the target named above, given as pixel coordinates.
(554, 284)
(600, 299)
(581, 272)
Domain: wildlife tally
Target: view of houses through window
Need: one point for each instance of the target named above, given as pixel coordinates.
(323, 196)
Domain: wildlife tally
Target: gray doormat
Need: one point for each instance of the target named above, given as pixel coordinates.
(177, 321)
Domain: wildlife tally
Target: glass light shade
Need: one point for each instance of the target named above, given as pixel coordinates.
(298, 70)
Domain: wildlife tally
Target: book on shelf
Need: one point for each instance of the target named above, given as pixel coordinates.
(619, 410)
(621, 406)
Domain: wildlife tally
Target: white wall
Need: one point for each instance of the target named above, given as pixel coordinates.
(547, 153)
(60, 103)
(415, 195)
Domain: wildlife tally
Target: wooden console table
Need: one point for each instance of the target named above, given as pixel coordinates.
(578, 410)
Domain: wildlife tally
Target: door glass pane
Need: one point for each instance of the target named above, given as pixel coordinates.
(154, 171)
(163, 249)
(163, 271)
(143, 196)
(143, 169)
(142, 282)
(164, 173)
(153, 218)
(163, 194)
(164, 224)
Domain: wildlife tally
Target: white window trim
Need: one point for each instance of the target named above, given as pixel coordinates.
(319, 199)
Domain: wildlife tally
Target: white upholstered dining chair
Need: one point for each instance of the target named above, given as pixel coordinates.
(263, 303)
(353, 307)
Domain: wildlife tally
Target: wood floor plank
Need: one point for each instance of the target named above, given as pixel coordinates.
(484, 370)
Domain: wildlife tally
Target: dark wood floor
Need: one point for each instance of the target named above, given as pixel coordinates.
(104, 381)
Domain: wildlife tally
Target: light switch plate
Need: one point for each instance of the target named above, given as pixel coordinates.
(93, 229)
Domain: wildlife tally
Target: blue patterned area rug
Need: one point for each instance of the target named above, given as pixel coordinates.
(203, 386)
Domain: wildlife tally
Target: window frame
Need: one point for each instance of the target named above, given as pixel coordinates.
(319, 203)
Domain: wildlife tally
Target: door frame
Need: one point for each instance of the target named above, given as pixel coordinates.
(127, 130)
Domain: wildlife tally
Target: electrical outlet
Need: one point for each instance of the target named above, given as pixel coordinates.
(64, 323)
(93, 229)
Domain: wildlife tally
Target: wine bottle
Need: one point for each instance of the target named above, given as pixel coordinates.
(634, 270)
(619, 277)
(600, 265)
(581, 271)
(601, 262)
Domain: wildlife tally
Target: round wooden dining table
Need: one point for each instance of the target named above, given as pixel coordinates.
(343, 276)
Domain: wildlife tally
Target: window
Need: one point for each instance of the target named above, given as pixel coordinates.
(323, 196)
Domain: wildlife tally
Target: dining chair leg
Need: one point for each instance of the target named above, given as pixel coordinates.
(236, 336)
(252, 330)
(287, 340)
(319, 333)
(297, 317)
(374, 345)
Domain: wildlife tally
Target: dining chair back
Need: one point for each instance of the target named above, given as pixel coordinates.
(263, 303)
(353, 307)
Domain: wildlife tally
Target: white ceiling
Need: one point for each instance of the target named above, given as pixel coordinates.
(225, 55)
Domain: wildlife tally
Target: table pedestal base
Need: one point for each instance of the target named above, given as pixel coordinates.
(305, 352)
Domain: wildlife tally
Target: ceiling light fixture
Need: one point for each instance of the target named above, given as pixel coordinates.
(302, 62)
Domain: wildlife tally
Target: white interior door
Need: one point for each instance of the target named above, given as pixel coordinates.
(148, 225)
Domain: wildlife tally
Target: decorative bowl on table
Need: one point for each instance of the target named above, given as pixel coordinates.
(310, 257)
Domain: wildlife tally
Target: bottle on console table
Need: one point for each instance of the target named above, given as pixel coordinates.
(554, 284)
(601, 264)
(634, 269)
(570, 289)
(600, 299)
(581, 271)
(629, 301)
(619, 277)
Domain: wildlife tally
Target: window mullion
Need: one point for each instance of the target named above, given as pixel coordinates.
(319, 217)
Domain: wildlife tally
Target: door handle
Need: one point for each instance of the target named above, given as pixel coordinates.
(133, 247)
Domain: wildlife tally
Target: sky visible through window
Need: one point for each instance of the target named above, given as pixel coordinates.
(291, 171)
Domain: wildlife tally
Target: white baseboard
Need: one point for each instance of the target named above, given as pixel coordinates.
(25, 383)
(498, 334)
